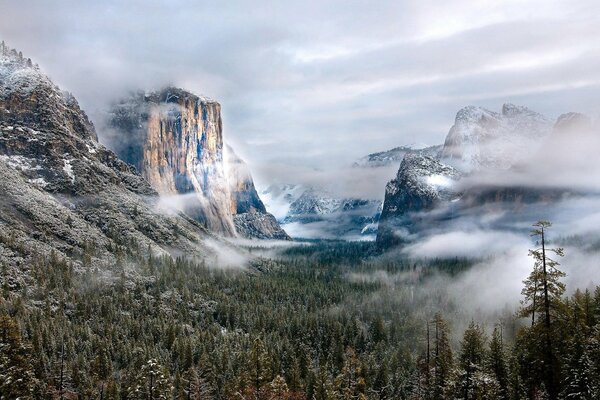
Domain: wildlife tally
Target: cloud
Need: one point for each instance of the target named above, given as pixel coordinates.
(477, 243)
(320, 82)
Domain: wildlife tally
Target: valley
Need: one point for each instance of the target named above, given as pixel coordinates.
(139, 259)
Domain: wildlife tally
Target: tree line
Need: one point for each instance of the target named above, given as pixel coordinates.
(158, 328)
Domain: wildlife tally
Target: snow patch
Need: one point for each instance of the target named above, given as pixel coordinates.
(68, 169)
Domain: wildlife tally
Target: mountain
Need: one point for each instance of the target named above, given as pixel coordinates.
(66, 196)
(175, 139)
(395, 155)
(422, 184)
(484, 156)
(483, 139)
(310, 212)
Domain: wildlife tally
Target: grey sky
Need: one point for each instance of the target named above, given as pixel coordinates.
(320, 83)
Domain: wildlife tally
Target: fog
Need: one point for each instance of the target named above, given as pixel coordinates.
(309, 85)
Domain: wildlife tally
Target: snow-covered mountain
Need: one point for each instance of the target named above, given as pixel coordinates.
(484, 139)
(64, 194)
(309, 212)
(396, 155)
(422, 184)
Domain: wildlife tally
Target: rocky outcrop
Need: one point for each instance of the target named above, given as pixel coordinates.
(422, 184)
(250, 217)
(511, 164)
(175, 139)
(65, 194)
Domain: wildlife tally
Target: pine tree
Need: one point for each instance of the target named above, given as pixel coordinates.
(278, 389)
(16, 372)
(578, 372)
(470, 363)
(496, 363)
(442, 362)
(151, 383)
(543, 291)
(350, 382)
(259, 367)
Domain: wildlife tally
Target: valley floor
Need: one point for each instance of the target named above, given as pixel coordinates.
(323, 321)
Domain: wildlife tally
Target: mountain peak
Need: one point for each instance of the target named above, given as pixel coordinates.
(481, 138)
(28, 97)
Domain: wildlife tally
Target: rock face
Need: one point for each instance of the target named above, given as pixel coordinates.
(65, 194)
(175, 139)
(422, 184)
(250, 216)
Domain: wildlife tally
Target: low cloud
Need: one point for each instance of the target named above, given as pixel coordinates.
(470, 244)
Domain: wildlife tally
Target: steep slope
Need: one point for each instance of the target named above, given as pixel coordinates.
(65, 194)
(250, 216)
(175, 139)
(510, 164)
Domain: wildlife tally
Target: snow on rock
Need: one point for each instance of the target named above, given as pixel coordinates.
(175, 139)
(422, 183)
(310, 212)
(68, 169)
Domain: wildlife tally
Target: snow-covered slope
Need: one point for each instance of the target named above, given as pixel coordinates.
(63, 193)
(396, 155)
(422, 184)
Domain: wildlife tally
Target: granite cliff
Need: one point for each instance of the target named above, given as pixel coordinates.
(175, 139)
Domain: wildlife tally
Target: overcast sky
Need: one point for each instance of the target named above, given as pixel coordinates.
(323, 82)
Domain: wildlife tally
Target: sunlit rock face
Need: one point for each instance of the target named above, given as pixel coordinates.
(175, 139)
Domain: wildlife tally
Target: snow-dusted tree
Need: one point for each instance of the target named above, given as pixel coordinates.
(496, 362)
(16, 373)
(350, 382)
(278, 389)
(579, 383)
(152, 383)
(442, 361)
(543, 292)
(259, 367)
(470, 363)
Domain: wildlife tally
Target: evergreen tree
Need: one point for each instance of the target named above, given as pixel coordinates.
(151, 383)
(543, 291)
(496, 364)
(259, 367)
(16, 372)
(442, 362)
(470, 363)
